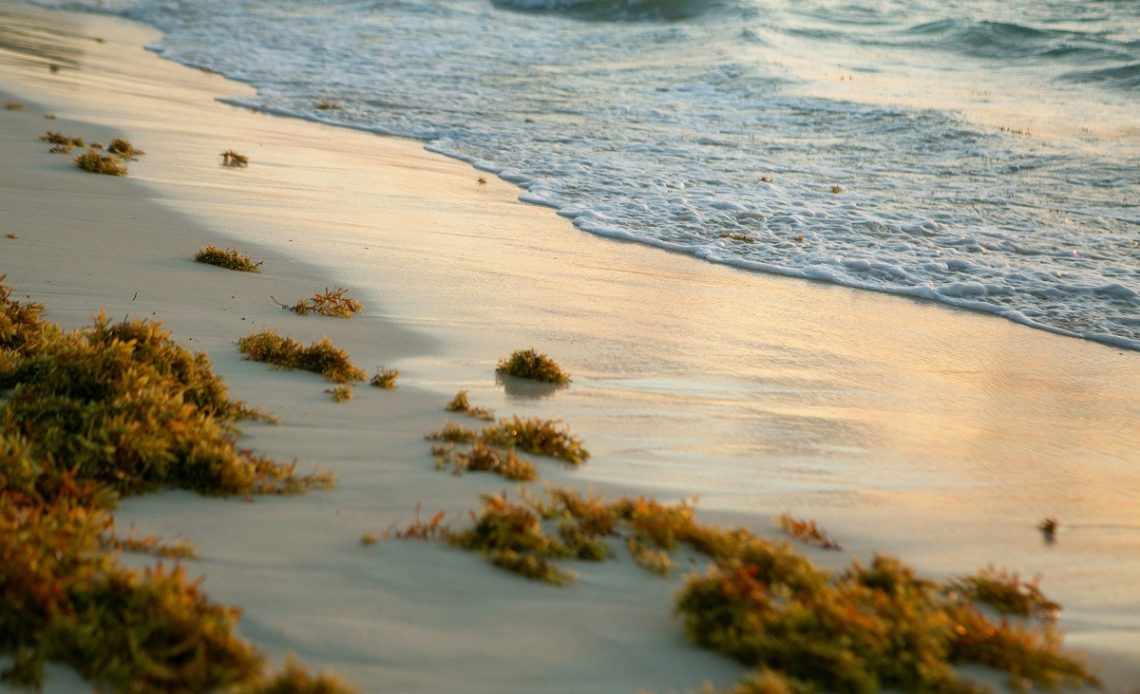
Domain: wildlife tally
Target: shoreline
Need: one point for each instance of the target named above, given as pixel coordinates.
(194, 202)
(966, 294)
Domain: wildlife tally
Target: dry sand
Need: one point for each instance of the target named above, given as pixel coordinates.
(940, 435)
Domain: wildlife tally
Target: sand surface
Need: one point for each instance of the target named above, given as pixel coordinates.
(939, 435)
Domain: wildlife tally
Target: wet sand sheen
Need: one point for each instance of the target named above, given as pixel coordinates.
(939, 435)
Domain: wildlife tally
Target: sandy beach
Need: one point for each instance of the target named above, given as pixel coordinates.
(939, 435)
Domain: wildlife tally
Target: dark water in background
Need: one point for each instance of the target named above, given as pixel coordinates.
(984, 154)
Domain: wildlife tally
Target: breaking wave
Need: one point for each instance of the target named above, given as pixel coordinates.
(618, 10)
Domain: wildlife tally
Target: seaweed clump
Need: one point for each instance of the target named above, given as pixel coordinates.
(67, 601)
(866, 629)
(232, 159)
(341, 392)
(322, 357)
(461, 404)
(62, 143)
(533, 366)
(803, 628)
(89, 416)
(124, 149)
(122, 407)
(1007, 593)
(295, 679)
(332, 303)
(494, 448)
(483, 458)
(92, 161)
(537, 436)
(228, 258)
(807, 532)
(384, 378)
(511, 536)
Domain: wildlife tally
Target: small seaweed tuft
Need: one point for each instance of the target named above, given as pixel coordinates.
(452, 433)
(384, 378)
(150, 545)
(63, 143)
(460, 404)
(321, 357)
(342, 392)
(326, 104)
(531, 365)
(10, 105)
(332, 302)
(1007, 593)
(93, 162)
(537, 436)
(295, 679)
(806, 531)
(429, 531)
(511, 537)
(483, 458)
(232, 159)
(836, 190)
(124, 149)
(228, 258)
(1049, 527)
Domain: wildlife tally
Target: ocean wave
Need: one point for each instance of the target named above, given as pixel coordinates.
(1009, 40)
(617, 10)
(1119, 77)
(691, 135)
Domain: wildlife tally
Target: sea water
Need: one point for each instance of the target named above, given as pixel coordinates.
(979, 153)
